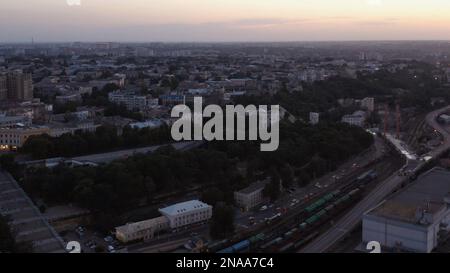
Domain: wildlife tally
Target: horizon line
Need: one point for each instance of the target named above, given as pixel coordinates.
(33, 41)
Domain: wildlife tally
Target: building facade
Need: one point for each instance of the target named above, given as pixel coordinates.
(15, 137)
(356, 119)
(20, 86)
(314, 118)
(187, 213)
(130, 100)
(144, 230)
(414, 219)
(3, 87)
(368, 104)
(8, 121)
(250, 197)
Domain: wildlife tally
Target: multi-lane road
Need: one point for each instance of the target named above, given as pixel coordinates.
(350, 220)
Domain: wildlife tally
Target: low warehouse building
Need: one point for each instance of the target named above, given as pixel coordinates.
(413, 219)
(144, 230)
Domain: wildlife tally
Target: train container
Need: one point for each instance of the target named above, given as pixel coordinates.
(288, 247)
(345, 198)
(312, 220)
(368, 176)
(226, 250)
(217, 245)
(341, 200)
(336, 193)
(316, 205)
(306, 240)
(256, 238)
(328, 197)
(353, 192)
(321, 213)
(288, 234)
(329, 208)
(271, 243)
(244, 245)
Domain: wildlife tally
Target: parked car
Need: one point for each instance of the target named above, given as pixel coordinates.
(111, 249)
(108, 239)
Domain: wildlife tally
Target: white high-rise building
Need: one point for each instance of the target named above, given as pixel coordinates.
(314, 118)
(368, 103)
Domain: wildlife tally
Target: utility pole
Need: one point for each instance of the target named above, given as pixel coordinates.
(386, 115)
(398, 117)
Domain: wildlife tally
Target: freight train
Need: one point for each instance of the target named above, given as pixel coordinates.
(298, 236)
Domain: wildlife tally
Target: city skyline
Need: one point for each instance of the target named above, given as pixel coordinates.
(223, 21)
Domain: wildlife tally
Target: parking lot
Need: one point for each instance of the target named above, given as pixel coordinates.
(92, 242)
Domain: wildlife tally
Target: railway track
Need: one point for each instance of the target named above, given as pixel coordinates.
(290, 232)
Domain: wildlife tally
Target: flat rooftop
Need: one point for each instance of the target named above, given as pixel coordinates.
(427, 193)
(254, 187)
(183, 207)
(143, 225)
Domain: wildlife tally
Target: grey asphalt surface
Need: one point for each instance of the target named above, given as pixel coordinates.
(26, 219)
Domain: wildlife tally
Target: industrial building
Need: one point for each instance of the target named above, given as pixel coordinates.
(413, 219)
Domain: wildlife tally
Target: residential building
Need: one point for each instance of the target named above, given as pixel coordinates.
(59, 129)
(8, 121)
(368, 104)
(172, 99)
(187, 213)
(130, 100)
(413, 219)
(250, 197)
(3, 87)
(68, 98)
(358, 118)
(15, 137)
(20, 85)
(314, 118)
(154, 123)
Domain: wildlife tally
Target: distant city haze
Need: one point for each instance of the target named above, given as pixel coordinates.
(222, 20)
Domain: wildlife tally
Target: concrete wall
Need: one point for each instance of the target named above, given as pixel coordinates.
(389, 233)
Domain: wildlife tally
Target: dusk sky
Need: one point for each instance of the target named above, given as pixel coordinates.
(223, 20)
